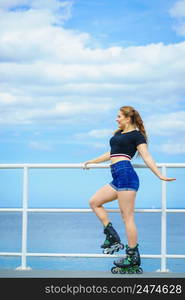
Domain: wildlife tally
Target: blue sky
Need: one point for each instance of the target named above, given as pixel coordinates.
(66, 68)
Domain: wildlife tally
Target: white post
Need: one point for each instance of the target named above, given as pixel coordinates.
(24, 220)
(163, 224)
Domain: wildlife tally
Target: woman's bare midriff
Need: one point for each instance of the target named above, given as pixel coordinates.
(118, 158)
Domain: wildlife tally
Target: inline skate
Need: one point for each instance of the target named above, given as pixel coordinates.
(130, 264)
(112, 242)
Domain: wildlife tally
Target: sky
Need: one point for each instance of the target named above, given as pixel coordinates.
(66, 67)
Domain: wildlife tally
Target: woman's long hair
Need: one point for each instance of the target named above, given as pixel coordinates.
(129, 111)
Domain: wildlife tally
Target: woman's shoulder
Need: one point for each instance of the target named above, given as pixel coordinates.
(118, 131)
(139, 136)
(137, 132)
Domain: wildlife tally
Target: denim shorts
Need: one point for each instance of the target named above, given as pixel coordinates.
(124, 176)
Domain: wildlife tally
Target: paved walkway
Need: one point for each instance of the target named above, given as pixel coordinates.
(9, 273)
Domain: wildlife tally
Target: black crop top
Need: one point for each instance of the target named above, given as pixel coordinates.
(124, 144)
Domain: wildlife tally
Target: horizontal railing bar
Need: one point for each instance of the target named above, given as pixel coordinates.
(87, 210)
(86, 255)
(10, 254)
(80, 165)
(175, 255)
(11, 166)
(71, 210)
(172, 210)
(90, 255)
(11, 209)
(74, 255)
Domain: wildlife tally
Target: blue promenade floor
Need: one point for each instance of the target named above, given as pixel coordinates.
(10, 273)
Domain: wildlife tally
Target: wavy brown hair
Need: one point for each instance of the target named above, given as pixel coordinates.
(135, 118)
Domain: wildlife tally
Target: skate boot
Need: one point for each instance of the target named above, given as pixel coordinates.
(130, 264)
(112, 242)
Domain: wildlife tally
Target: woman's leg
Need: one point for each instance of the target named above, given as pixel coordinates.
(126, 200)
(104, 195)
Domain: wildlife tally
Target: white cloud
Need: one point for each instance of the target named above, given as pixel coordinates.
(172, 148)
(30, 35)
(13, 3)
(178, 9)
(94, 133)
(76, 108)
(167, 124)
(52, 74)
(61, 9)
(42, 146)
(178, 13)
(7, 98)
(100, 133)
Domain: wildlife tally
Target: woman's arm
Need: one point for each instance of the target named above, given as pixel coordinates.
(142, 149)
(99, 159)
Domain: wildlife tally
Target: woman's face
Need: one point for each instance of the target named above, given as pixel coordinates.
(122, 120)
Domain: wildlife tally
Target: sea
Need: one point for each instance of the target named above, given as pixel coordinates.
(83, 233)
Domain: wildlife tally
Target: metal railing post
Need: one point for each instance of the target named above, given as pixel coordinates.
(163, 224)
(24, 220)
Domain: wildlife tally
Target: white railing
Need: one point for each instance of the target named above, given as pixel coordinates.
(25, 210)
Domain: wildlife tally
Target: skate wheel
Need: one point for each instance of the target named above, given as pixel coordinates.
(139, 271)
(122, 271)
(122, 246)
(105, 251)
(108, 251)
(114, 270)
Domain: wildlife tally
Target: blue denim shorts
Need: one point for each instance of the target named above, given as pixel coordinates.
(124, 176)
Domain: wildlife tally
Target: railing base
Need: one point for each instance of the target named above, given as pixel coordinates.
(23, 269)
(166, 270)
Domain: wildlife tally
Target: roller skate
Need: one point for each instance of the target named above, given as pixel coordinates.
(130, 264)
(112, 242)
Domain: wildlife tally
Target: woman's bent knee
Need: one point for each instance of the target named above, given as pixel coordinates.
(92, 203)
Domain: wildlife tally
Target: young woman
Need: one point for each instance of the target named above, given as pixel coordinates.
(130, 138)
